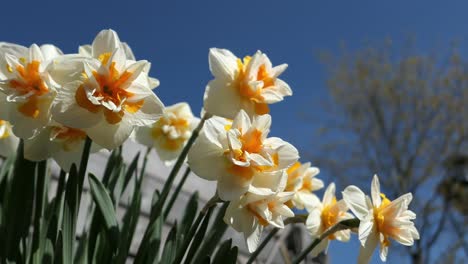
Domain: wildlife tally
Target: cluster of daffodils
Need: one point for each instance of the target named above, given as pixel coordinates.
(54, 101)
(261, 177)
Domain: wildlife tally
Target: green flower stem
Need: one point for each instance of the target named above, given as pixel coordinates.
(343, 225)
(262, 245)
(176, 192)
(175, 170)
(145, 161)
(83, 166)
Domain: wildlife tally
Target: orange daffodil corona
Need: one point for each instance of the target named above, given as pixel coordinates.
(381, 220)
(250, 84)
(111, 95)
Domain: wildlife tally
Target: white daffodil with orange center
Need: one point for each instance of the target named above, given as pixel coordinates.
(63, 144)
(381, 220)
(252, 212)
(325, 214)
(169, 134)
(302, 181)
(239, 155)
(8, 141)
(111, 42)
(250, 84)
(109, 97)
(27, 85)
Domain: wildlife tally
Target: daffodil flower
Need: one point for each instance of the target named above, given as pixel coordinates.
(63, 144)
(250, 84)
(27, 85)
(169, 134)
(239, 155)
(302, 181)
(252, 212)
(112, 42)
(325, 214)
(381, 220)
(108, 96)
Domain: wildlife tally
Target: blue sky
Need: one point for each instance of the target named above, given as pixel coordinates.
(176, 35)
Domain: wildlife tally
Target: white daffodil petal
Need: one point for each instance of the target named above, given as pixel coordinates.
(366, 251)
(329, 194)
(206, 159)
(110, 136)
(375, 191)
(253, 239)
(314, 223)
(151, 110)
(105, 42)
(222, 99)
(366, 228)
(40, 147)
(230, 187)
(50, 51)
(356, 201)
(223, 64)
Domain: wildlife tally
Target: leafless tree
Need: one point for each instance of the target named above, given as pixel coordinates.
(401, 113)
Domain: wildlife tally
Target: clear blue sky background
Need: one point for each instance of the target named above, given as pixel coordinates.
(176, 35)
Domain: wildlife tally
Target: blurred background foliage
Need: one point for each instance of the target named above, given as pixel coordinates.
(403, 114)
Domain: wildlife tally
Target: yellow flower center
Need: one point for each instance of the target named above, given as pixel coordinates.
(245, 90)
(330, 216)
(383, 222)
(111, 90)
(29, 81)
(181, 126)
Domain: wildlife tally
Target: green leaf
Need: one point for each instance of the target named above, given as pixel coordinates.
(176, 192)
(170, 247)
(106, 208)
(223, 252)
(48, 252)
(232, 257)
(129, 224)
(19, 197)
(196, 240)
(70, 212)
(149, 247)
(40, 229)
(189, 215)
(212, 239)
(122, 182)
(6, 167)
(58, 254)
(115, 160)
(81, 255)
